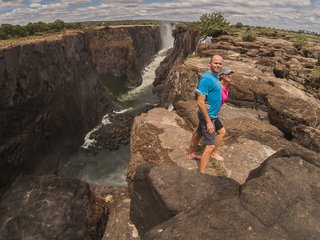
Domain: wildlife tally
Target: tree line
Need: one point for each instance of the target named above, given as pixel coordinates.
(9, 31)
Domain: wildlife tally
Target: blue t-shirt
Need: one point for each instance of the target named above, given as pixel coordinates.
(209, 85)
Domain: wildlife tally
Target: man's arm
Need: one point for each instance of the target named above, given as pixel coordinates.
(201, 101)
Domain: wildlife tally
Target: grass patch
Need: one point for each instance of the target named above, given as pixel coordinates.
(215, 164)
(314, 80)
(248, 36)
(218, 167)
(300, 41)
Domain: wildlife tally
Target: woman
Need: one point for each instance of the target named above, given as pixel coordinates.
(225, 78)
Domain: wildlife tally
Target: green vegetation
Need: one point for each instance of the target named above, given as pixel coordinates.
(314, 80)
(128, 22)
(8, 31)
(270, 32)
(218, 167)
(238, 25)
(300, 41)
(182, 27)
(249, 35)
(213, 25)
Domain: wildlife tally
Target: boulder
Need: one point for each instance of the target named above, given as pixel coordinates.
(298, 117)
(161, 192)
(50, 207)
(159, 137)
(265, 208)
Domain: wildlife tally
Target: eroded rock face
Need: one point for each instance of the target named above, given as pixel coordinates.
(49, 207)
(185, 43)
(156, 138)
(277, 212)
(299, 118)
(46, 99)
(51, 94)
(124, 52)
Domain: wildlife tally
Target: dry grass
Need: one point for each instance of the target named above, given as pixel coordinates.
(32, 39)
(53, 36)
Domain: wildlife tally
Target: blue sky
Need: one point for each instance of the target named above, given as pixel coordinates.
(286, 14)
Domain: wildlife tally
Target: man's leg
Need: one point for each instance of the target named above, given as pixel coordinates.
(210, 140)
(205, 157)
(220, 135)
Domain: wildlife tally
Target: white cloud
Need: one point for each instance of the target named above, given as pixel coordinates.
(291, 14)
(76, 1)
(35, 5)
(10, 3)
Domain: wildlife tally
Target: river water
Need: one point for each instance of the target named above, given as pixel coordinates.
(109, 168)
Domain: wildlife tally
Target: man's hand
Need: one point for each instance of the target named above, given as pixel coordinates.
(210, 128)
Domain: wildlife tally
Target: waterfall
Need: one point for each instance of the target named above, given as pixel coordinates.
(166, 35)
(109, 168)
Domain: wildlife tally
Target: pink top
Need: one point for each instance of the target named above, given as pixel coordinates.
(225, 93)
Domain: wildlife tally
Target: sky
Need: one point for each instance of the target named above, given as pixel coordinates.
(285, 14)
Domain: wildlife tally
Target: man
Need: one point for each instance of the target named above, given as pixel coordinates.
(209, 101)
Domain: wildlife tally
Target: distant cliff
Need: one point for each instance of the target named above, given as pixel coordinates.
(51, 94)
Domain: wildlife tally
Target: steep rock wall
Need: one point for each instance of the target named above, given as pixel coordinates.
(185, 43)
(51, 94)
(127, 52)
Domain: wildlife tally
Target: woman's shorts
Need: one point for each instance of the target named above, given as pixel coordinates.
(218, 124)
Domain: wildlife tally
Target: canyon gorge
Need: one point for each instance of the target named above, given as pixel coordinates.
(55, 90)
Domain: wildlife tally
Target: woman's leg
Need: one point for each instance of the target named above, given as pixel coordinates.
(194, 144)
(220, 135)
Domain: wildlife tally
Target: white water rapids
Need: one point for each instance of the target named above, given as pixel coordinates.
(109, 168)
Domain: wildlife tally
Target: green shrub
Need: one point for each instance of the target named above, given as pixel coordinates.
(269, 32)
(248, 36)
(179, 28)
(300, 41)
(213, 25)
(316, 72)
(314, 80)
(239, 25)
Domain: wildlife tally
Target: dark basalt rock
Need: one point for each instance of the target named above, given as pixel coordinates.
(49, 207)
(265, 207)
(161, 192)
(113, 134)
